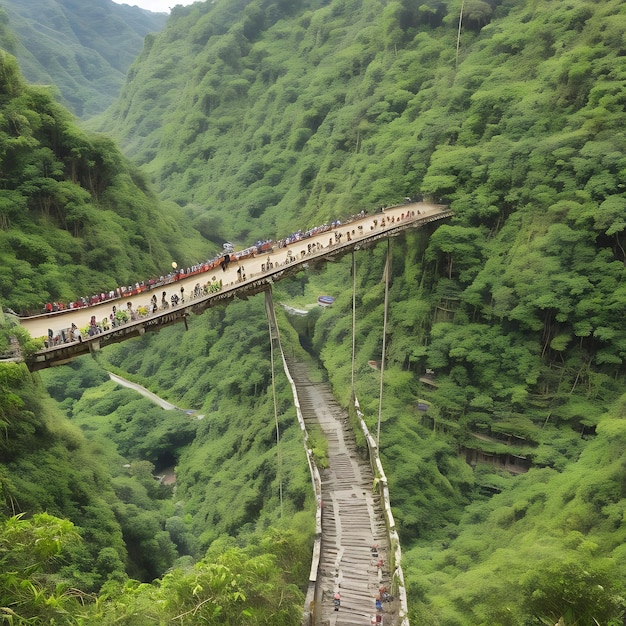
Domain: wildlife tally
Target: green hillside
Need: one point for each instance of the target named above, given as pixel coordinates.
(292, 114)
(82, 47)
(75, 217)
(258, 118)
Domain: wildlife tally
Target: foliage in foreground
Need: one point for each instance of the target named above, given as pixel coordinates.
(241, 586)
(236, 587)
(28, 550)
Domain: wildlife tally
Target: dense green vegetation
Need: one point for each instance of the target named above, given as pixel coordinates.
(296, 114)
(82, 48)
(237, 587)
(483, 546)
(48, 466)
(75, 217)
(262, 117)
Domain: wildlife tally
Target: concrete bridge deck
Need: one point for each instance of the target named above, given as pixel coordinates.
(240, 280)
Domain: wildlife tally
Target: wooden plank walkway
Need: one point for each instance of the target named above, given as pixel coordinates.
(352, 520)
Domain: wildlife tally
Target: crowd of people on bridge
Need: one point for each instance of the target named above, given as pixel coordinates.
(122, 315)
(123, 291)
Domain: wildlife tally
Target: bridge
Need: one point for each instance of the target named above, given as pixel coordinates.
(240, 279)
(356, 556)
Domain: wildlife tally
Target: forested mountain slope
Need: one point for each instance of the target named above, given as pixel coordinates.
(82, 47)
(265, 117)
(75, 217)
(254, 112)
(260, 118)
(83, 522)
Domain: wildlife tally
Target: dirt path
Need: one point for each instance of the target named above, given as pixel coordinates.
(352, 521)
(164, 404)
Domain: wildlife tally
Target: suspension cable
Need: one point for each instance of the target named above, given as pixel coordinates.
(382, 358)
(273, 329)
(353, 321)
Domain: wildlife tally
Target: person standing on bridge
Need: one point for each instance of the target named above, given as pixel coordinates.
(337, 600)
(75, 333)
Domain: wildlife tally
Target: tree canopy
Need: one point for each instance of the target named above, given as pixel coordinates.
(254, 119)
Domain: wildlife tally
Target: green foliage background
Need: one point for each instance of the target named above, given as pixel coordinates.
(82, 48)
(259, 118)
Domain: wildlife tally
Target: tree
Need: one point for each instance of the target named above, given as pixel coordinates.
(237, 589)
(461, 248)
(476, 14)
(29, 555)
(611, 218)
(573, 592)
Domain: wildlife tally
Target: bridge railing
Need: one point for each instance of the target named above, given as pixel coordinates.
(395, 552)
(312, 597)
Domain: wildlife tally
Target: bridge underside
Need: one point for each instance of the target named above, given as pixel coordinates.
(62, 354)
